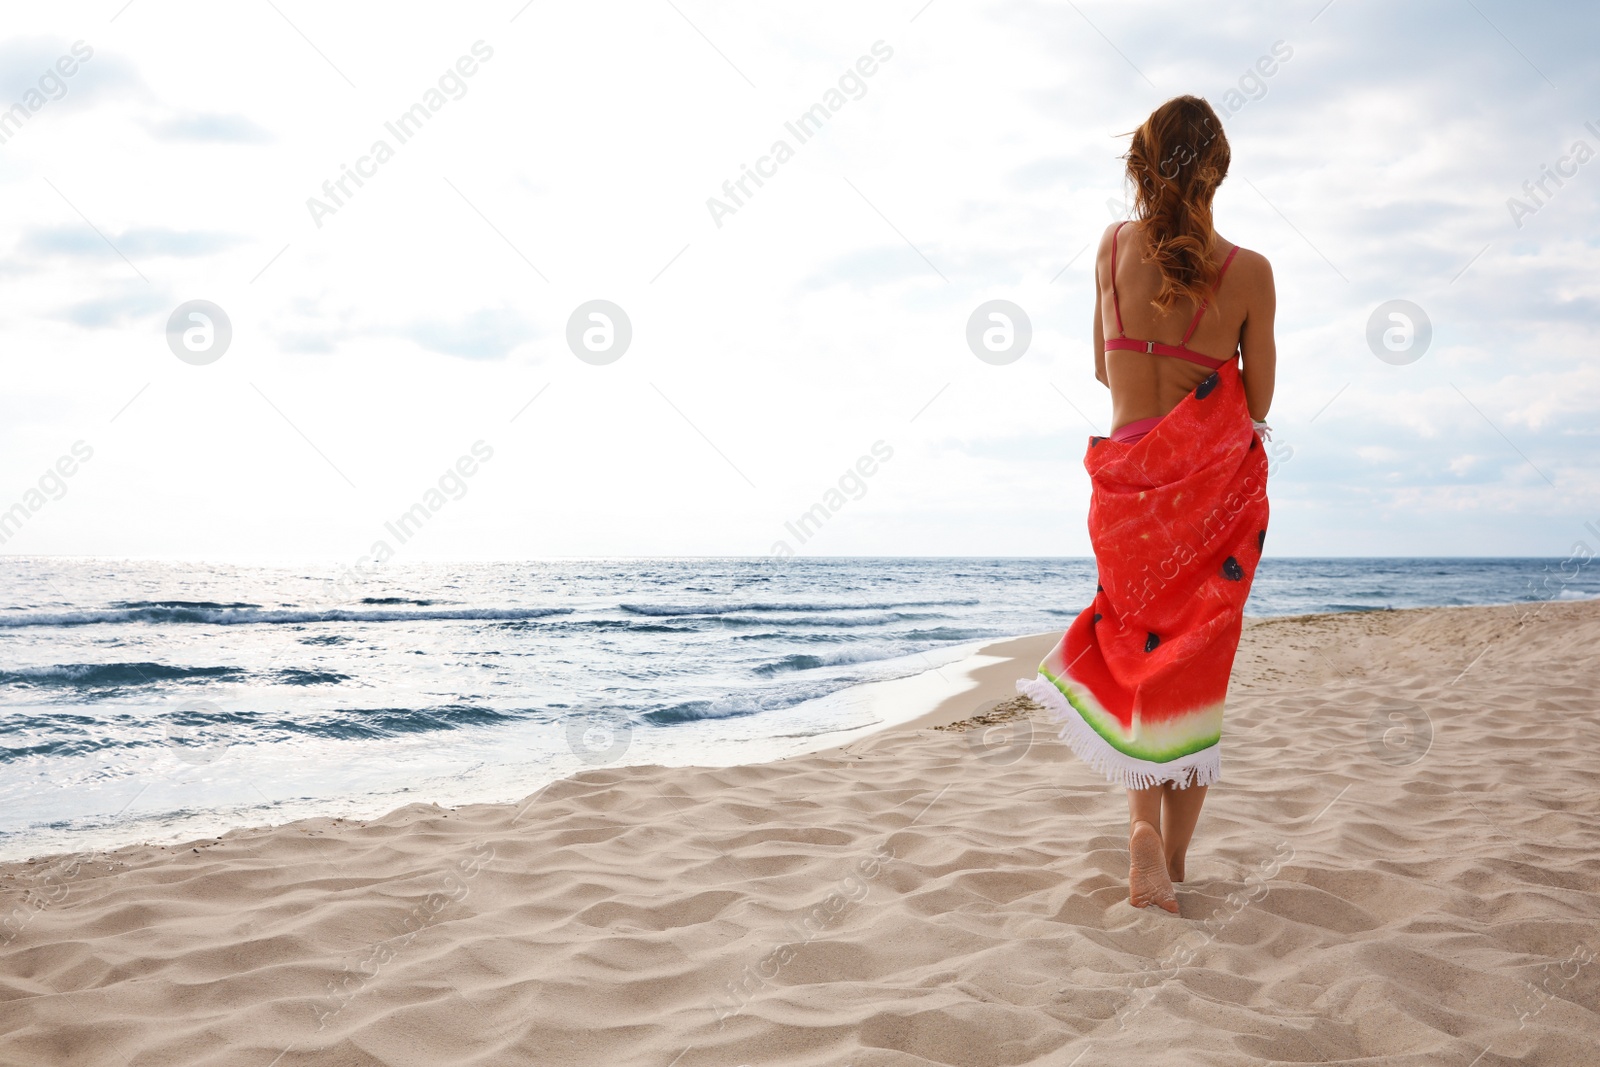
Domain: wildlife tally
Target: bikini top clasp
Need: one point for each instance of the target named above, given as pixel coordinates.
(1181, 350)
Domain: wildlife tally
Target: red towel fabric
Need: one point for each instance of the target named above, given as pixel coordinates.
(1178, 520)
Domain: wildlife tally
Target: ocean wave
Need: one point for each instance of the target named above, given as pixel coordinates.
(229, 616)
(200, 604)
(26, 736)
(946, 633)
(728, 609)
(632, 626)
(829, 622)
(371, 723)
(56, 749)
(298, 676)
(105, 675)
(801, 661)
(791, 638)
(697, 710)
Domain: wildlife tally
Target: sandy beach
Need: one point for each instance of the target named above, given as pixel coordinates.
(1401, 866)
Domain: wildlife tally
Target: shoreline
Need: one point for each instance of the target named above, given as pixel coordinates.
(958, 691)
(941, 690)
(949, 694)
(1398, 865)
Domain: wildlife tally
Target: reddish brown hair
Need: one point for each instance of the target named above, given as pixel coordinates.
(1177, 159)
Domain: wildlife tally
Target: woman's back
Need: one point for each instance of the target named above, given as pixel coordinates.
(1239, 314)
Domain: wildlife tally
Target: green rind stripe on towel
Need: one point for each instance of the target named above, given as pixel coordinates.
(1109, 735)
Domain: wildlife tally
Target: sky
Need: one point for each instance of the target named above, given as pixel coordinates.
(418, 342)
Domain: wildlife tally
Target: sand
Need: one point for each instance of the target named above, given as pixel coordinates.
(1401, 866)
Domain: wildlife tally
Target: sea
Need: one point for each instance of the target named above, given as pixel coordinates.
(162, 701)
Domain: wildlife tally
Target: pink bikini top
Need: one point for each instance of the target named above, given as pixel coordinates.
(1181, 350)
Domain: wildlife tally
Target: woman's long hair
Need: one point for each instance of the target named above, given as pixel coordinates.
(1176, 161)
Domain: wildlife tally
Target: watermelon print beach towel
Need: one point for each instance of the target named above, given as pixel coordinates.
(1178, 519)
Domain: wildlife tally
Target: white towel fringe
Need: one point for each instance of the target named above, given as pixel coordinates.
(1197, 768)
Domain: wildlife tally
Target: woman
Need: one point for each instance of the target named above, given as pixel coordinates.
(1178, 512)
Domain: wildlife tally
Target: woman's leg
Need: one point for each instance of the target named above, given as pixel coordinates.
(1180, 812)
(1144, 805)
(1148, 881)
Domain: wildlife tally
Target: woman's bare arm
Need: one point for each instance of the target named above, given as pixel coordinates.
(1099, 327)
(1260, 350)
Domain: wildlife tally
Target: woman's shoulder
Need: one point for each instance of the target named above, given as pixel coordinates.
(1107, 246)
(1251, 256)
(1249, 262)
(1110, 231)
(1117, 235)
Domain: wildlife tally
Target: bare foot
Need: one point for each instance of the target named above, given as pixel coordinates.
(1175, 868)
(1148, 881)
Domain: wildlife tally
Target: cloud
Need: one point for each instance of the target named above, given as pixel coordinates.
(149, 242)
(212, 128)
(1061, 446)
(116, 311)
(25, 60)
(871, 266)
(486, 334)
(312, 326)
(1388, 142)
(315, 342)
(1052, 171)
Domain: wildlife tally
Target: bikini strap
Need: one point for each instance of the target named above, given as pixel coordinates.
(1201, 310)
(1115, 304)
